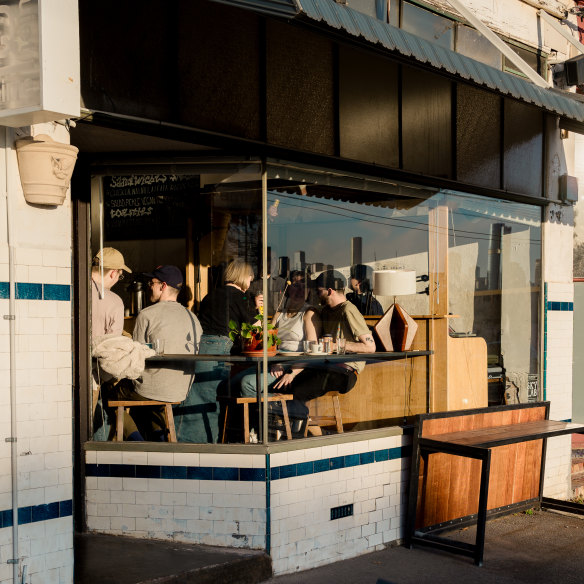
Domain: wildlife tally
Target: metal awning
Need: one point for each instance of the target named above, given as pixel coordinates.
(341, 19)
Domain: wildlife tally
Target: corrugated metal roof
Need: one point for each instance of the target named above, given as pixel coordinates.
(395, 40)
(271, 7)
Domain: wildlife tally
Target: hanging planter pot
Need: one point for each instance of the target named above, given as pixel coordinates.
(45, 169)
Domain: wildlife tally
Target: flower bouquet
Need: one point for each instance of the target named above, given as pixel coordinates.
(251, 337)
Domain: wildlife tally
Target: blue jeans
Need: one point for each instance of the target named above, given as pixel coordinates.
(247, 382)
(197, 418)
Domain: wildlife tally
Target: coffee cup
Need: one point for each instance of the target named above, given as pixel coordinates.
(315, 347)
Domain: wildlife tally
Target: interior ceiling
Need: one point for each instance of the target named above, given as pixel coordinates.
(92, 138)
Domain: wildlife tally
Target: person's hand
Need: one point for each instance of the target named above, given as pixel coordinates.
(259, 301)
(284, 381)
(277, 370)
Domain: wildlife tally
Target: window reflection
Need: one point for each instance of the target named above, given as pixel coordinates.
(495, 252)
(477, 264)
(472, 43)
(428, 25)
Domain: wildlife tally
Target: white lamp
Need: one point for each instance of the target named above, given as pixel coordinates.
(396, 329)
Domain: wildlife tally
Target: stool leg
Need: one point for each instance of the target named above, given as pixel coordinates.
(224, 423)
(170, 422)
(246, 423)
(286, 419)
(338, 415)
(120, 424)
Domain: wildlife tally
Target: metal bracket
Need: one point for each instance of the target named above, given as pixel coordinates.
(10, 439)
(9, 317)
(12, 561)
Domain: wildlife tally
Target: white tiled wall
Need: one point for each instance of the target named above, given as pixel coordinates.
(213, 512)
(558, 331)
(303, 535)
(42, 244)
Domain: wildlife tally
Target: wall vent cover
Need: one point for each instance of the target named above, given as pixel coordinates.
(342, 511)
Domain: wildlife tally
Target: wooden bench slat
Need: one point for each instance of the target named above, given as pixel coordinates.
(507, 434)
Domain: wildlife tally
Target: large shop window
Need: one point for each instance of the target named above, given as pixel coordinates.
(320, 249)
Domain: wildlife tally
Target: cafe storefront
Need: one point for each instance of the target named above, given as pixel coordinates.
(252, 148)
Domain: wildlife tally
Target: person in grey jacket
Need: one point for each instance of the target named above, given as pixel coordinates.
(179, 332)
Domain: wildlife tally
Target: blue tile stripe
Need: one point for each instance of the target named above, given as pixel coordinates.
(218, 473)
(560, 306)
(36, 513)
(30, 291)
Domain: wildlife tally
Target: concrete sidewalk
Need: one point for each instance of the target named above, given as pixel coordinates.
(111, 559)
(543, 547)
(546, 547)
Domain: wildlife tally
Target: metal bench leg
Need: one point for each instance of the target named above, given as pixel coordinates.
(482, 513)
(413, 492)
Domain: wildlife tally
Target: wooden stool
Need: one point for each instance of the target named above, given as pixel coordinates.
(245, 401)
(328, 420)
(121, 404)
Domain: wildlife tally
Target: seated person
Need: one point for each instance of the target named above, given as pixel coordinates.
(361, 295)
(338, 315)
(179, 329)
(296, 322)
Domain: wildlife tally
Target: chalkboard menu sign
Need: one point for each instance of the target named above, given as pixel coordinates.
(152, 206)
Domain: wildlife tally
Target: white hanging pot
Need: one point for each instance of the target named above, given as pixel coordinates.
(45, 169)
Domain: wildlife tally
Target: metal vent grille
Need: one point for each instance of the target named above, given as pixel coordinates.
(342, 511)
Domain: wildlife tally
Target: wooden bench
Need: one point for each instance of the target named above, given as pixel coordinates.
(470, 464)
(120, 406)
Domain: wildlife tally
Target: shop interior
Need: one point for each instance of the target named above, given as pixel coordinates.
(476, 262)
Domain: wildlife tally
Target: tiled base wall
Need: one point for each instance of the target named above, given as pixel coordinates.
(211, 499)
(371, 475)
(221, 500)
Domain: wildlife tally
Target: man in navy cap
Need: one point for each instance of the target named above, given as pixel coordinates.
(177, 331)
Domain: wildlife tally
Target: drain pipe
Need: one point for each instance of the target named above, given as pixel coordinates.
(11, 317)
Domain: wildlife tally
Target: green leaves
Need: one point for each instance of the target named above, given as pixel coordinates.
(252, 334)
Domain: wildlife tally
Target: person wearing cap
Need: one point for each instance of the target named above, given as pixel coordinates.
(338, 316)
(107, 308)
(179, 332)
(107, 318)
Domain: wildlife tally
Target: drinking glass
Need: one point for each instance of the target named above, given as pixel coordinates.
(158, 346)
(341, 346)
(306, 346)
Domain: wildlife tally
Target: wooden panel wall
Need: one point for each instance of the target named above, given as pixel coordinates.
(385, 391)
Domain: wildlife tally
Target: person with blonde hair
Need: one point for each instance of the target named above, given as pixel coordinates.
(197, 418)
